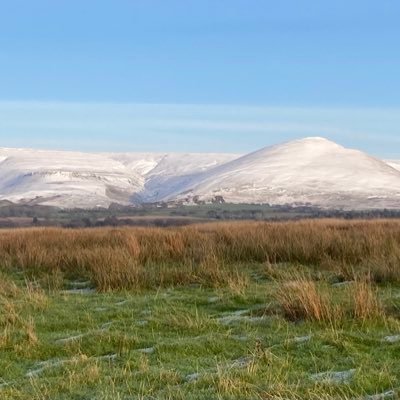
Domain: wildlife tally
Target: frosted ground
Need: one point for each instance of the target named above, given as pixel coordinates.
(187, 343)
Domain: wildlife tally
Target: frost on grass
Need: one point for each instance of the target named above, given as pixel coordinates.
(334, 377)
(107, 357)
(147, 350)
(192, 377)
(241, 362)
(69, 339)
(105, 326)
(5, 384)
(121, 303)
(48, 364)
(43, 366)
(390, 394)
(301, 339)
(79, 291)
(342, 284)
(80, 284)
(229, 318)
(100, 309)
(214, 299)
(240, 338)
(241, 315)
(392, 339)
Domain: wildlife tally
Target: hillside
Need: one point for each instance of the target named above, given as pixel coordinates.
(73, 179)
(310, 171)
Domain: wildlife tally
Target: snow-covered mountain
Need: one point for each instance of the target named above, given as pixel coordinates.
(311, 170)
(72, 179)
(308, 171)
(64, 178)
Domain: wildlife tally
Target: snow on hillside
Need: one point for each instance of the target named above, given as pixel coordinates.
(394, 164)
(73, 179)
(175, 170)
(61, 178)
(308, 171)
(311, 170)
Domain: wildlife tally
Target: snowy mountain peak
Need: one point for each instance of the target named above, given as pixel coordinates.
(309, 143)
(300, 149)
(315, 139)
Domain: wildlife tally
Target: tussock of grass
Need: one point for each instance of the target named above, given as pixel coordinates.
(302, 298)
(366, 302)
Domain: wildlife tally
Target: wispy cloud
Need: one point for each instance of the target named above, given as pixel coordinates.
(172, 127)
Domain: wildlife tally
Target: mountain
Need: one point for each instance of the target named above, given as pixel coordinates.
(74, 179)
(312, 170)
(64, 178)
(308, 171)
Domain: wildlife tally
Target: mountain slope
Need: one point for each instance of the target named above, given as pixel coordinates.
(67, 179)
(394, 164)
(311, 170)
(73, 179)
(175, 170)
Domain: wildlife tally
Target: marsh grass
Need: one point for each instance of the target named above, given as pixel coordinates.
(302, 298)
(209, 254)
(366, 303)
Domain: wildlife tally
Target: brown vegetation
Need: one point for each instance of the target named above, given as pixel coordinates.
(210, 254)
(300, 298)
(366, 301)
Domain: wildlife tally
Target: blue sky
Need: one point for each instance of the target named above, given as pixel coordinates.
(199, 75)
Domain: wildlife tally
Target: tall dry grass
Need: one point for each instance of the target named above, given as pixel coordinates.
(15, 328)
(209, 254)
(301, 298)
(366, 303)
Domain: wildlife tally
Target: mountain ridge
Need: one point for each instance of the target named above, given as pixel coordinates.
(312, 170)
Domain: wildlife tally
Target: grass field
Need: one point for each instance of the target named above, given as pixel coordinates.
(296, 310)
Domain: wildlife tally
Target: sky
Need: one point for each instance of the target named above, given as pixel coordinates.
(199, 75)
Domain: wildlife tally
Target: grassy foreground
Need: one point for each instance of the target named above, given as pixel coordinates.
(305, 310)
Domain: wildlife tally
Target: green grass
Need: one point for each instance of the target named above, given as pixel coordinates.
(189, 342)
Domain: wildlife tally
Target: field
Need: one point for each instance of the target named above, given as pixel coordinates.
(246, 310)
(163, 215)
